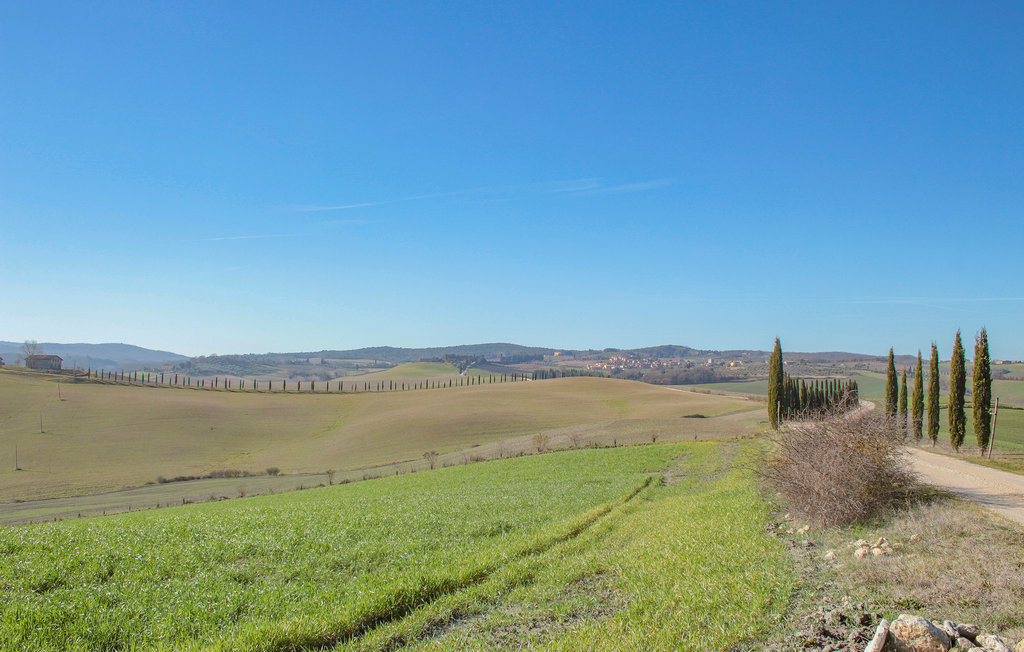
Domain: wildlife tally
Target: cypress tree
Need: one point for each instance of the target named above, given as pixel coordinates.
(957, 386)
(933, 395)
(903, 403)
(917, 400)
(891, 388)
(982, 398)
(775, 384)
(803, 396)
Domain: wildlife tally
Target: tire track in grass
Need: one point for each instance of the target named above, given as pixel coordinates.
(520, 571)
(405, 601)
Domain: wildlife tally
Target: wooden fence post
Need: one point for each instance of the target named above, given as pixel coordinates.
(992, 439)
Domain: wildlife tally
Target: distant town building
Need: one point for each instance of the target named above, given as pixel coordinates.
(44, 362)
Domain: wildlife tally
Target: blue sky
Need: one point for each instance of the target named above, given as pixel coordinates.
(249, 177)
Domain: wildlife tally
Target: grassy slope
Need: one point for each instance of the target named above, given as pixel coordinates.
(384, 564)
(103, 437)
(413, 371)
(1009, 391)
(872, 385)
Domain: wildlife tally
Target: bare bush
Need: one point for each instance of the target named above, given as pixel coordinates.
(431, 458)
(541, 441)
(840, 469)
(273, 470)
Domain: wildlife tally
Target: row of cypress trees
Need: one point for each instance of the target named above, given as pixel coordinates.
(912, 421)
(796, 398)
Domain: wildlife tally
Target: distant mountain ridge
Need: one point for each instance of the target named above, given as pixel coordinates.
(97, 356)
(130, 357)
(395, 354)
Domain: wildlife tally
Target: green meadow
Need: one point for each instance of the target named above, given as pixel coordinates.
(672, 536)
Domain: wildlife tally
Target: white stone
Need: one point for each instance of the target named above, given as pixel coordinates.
(916, 634)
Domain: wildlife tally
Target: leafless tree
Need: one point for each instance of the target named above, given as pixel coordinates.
(431, 458)
(30, 347)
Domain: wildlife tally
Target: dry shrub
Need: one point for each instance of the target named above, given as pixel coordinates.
(840, 469)
(541, 441)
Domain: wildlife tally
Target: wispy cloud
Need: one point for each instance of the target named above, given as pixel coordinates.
(267, 236)
(346, 222)
(576, 185)
(396, 200)
(584, 186)
(937, 299)
(637, 186)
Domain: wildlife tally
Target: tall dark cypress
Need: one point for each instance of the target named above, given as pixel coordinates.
(957, 387)
(803, 396)
(933, 395)
(917, 400)
(982, 399)
(775, 381)
(903, 403)
(891, 388)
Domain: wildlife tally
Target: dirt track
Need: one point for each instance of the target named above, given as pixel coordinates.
(999, 491)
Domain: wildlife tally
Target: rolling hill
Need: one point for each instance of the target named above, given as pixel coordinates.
(93, 437)
(96, 356)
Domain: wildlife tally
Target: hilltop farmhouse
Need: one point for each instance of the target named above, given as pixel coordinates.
(44, 362)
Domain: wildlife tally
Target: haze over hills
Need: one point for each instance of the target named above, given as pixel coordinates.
(109, 355)
(498, 357)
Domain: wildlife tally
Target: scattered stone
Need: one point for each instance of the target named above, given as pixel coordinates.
(949, 627)
(914, 537)
(790, 531)
(860, 553)
(968, 631)
(805, 528)
(963, 643)
(916, 634)
(831, 554)
(881, 541)
(877, 643)
(861, 543)
(992, 642)
(1019, 647)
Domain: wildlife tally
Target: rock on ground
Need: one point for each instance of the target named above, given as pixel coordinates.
(916, 634)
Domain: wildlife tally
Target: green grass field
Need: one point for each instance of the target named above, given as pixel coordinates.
(872, 385)
(1009, 391)
(412, 371)
(98, 438)
(585, 549)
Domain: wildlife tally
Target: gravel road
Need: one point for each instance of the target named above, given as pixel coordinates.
(999, 491)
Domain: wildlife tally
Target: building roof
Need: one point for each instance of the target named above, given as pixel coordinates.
(44, 357)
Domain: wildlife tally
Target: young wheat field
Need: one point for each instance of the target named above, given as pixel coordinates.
(639, 547)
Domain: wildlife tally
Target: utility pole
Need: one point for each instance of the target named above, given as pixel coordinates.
(16, 467)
